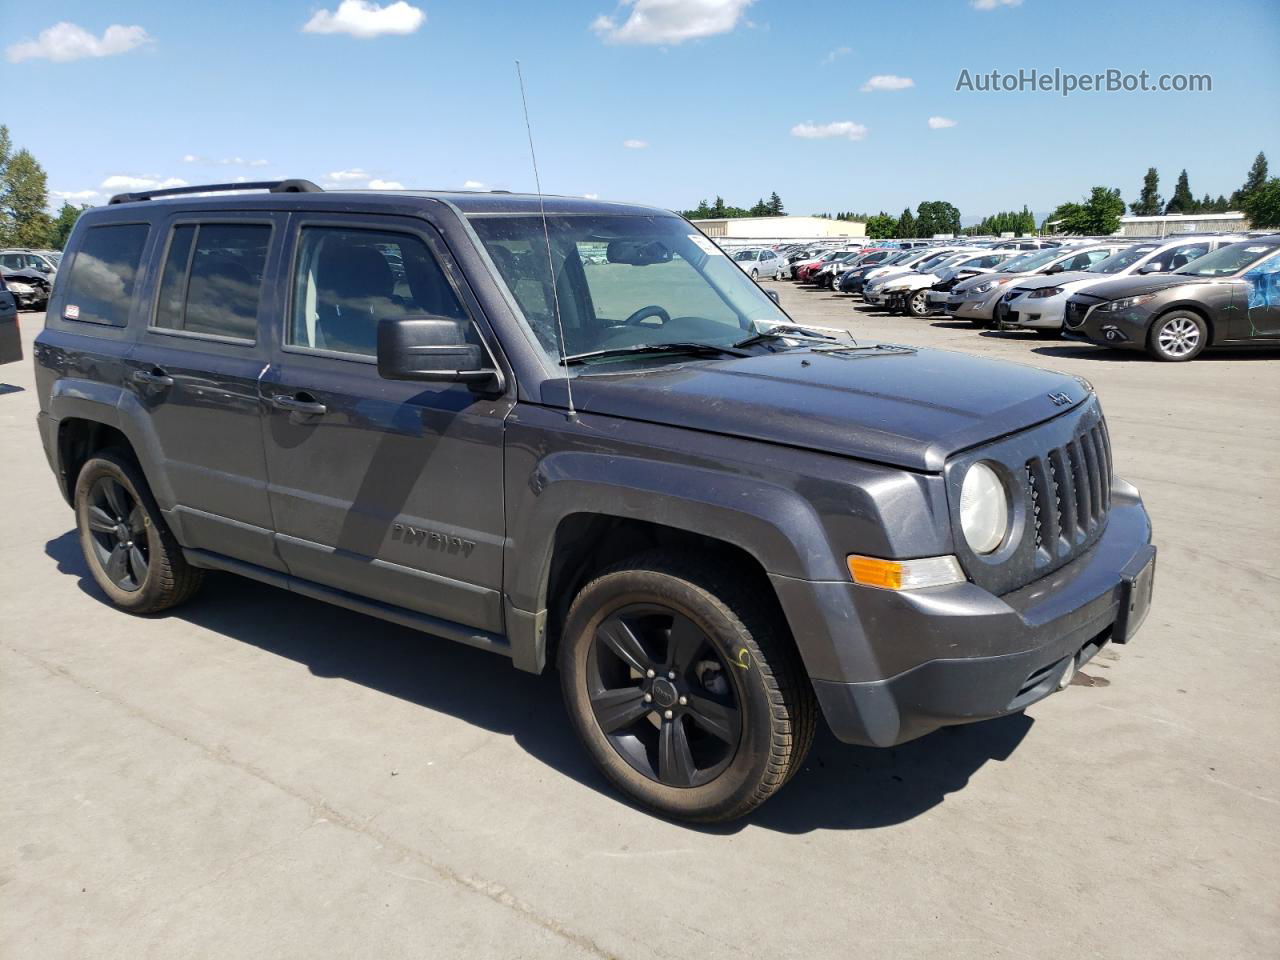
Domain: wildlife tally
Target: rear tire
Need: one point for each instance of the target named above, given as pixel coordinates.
(711, 642)
(1177, 337)
(129, 549)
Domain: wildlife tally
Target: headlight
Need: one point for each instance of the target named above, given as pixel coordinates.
(984, 509)
(1127, 302)
(1044, 292)
(16, 287)
(985, 287)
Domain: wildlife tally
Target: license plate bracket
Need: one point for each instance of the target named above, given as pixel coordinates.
(1137, 580)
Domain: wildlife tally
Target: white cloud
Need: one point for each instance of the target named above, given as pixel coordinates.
(224, 162)
(887, 81)
(75, 194)
(362, 18)
(670, 21)
(473, 185)
(993, 4)
(66, 41)
(635, 144)
(347, 176)
(125, 182)
(940, 123)
(822, 131)
(191, 158)
(259, 163)
(376, 184)
(836, 54)
(591, 196)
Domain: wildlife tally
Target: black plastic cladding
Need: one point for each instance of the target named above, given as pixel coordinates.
(1074, 453)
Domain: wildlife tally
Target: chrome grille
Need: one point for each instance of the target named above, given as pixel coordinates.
(1069, 493)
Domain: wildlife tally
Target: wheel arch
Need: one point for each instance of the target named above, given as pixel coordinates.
(1186, 306)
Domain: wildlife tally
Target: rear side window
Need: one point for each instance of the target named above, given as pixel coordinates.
(103, 277)
(212, 279)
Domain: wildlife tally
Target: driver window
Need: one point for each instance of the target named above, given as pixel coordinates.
(349, 279)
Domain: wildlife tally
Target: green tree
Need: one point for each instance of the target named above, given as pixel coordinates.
(6, 221)
(62, 224)
(1182, 200)
(905, 228)
(1262, 205)
(937, 216)
(1256, 179)
(1149, 202)
(881, 226)
(24, 196)
(775, 205)
(761, 209)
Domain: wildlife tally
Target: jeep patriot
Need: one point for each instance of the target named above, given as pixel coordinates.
(571, 431)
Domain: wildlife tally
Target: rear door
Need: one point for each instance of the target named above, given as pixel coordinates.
(195, 369)
(387, 489)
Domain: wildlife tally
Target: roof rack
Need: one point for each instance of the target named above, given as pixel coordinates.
(274, 186)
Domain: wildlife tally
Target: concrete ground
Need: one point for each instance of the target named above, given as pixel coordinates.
(261, 775)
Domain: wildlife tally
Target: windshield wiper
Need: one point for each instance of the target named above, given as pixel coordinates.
(691, 346)
(787, 331)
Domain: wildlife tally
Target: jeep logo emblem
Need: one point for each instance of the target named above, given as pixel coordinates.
(1059, 399)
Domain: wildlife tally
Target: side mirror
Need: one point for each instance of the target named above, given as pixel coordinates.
(1155, 266)
(1056, 268)
(429, 348)
(773, 295)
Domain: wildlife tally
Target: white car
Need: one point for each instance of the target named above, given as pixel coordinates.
(876, 282)
(760, 262)
(1039, 303)
(975, 299)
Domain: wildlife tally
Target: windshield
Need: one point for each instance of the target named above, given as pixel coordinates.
(622, 281)
(745, 255)
(1025, 262)
(1229, 260)
(1125, 258)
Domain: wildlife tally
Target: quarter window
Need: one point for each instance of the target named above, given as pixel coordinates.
(349, 279)
(212, 279)
(104, 273)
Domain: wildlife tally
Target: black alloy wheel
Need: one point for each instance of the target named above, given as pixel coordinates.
(118, 534)
(663, 697)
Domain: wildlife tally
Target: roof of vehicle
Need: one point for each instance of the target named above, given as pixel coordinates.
(302, 193)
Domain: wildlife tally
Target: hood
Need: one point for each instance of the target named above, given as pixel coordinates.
(1036, 281)
(899, 406)
(967, 284)
(1137, 285)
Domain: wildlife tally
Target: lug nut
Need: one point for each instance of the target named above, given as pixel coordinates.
(648, 697)
(671, 674)
(649, 674)
(684, 701)
(668, 714)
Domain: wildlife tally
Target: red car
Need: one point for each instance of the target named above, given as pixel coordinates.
(805, 269)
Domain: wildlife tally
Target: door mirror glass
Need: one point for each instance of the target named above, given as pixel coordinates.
(429, 348)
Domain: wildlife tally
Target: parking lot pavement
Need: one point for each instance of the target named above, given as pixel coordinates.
(258, 774)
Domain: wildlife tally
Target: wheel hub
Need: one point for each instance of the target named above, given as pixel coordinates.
(664, 692)
(122, 532)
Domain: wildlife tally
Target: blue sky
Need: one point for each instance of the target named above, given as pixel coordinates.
(712, 95)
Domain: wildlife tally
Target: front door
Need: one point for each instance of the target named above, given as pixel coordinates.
(1259, 317)
(195, 368)
(386, 489)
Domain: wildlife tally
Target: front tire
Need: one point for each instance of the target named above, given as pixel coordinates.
(129, 549)
(918, 304)
(685, 688)
(1177, 337)
(755, 274)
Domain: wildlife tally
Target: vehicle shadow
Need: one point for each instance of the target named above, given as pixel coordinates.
(10, 388)
(1090, 352)
(840, 787)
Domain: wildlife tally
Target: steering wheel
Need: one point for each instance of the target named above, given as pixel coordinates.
(644, 313)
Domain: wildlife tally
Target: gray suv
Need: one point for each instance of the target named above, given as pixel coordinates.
(570, 431)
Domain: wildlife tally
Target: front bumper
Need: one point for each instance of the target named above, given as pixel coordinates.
(890, 666)
(1025, 313)
(978, 307)
(1126, 329)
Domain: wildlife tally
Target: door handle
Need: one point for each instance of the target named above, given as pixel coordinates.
(155, 377)
(301, 403)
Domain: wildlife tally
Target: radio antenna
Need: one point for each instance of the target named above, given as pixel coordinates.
(546, 235)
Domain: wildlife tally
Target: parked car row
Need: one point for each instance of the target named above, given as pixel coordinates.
(1172, 297)
(29, 275)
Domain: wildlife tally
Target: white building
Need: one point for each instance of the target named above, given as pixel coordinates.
(1171, 224)
(779, 229)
